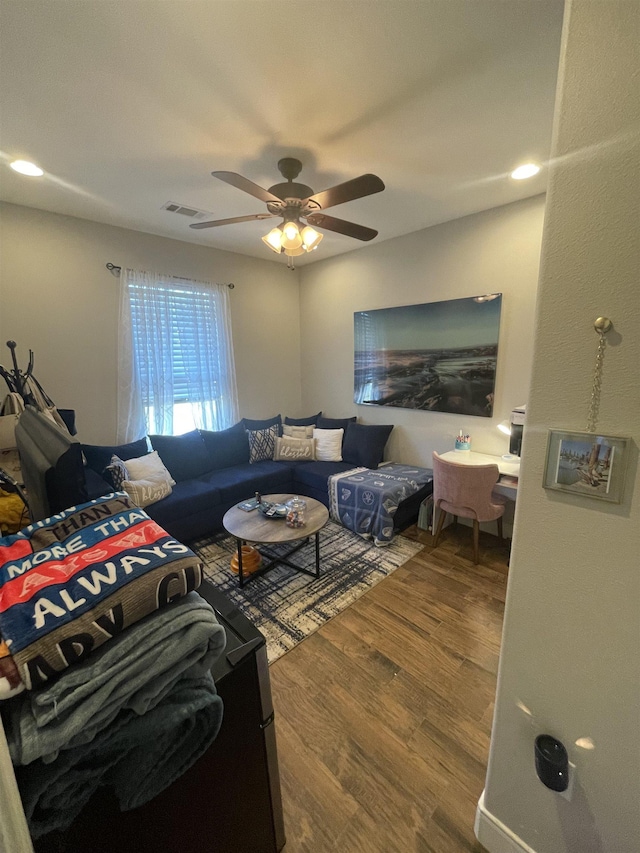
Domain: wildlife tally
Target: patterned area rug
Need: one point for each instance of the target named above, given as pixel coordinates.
(286, 605)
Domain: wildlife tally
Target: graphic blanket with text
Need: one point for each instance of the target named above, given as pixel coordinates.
(73, 581)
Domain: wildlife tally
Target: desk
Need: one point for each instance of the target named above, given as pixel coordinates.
(508, 467)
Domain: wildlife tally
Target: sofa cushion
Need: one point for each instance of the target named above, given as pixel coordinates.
(241, 482)
(185, 456)
(335, 423)
(312, 420)
(265, 424)
(262, 443)
(99, 456)
(364, 444)
(96, 485)
(226, 447)
(316, 474)
(187, 498)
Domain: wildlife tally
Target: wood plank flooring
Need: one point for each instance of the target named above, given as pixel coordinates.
(383, 716)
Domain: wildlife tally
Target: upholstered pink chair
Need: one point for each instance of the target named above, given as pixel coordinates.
(466, 490)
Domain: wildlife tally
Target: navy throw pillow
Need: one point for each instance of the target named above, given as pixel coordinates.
(184, 456)
(265, 424)
(364, 444)
(311, 421)
(226, 447)
(336, 423)
(96, 485)
(98, 456)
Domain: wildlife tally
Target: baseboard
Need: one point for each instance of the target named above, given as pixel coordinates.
(494, 835)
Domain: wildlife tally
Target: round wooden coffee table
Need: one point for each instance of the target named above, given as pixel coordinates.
(255, 528)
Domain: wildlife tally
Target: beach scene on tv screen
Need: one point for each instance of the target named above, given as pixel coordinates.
(435, 356)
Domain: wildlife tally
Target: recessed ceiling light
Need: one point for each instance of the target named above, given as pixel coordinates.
(27, 168)
(526, 171)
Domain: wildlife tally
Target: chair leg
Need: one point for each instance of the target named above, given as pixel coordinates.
(476, 537)
(500, 527)
(441, 518)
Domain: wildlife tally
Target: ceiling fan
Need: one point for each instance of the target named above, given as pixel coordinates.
(295, 202)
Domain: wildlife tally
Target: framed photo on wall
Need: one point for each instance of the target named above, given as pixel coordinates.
(587, 464)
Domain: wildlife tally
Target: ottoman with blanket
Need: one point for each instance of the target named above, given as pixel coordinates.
(367, 501)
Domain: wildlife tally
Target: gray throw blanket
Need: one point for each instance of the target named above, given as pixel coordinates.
(139, 756)
(134, 672)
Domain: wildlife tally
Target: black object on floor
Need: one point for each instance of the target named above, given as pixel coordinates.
(229, 801)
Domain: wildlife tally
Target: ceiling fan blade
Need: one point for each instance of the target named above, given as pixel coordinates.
(246, 185)
(216, 222)
(350, 190)
(341, 226)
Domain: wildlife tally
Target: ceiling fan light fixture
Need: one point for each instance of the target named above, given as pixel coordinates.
(295, 202)
(311, 238)
(293, 253)
(272, 240)
(291, 238)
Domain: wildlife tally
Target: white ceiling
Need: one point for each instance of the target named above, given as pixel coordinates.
(129, 104)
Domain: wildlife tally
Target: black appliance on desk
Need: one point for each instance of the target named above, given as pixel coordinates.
(229, 801)
(517, 430)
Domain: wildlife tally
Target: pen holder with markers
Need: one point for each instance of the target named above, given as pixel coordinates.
(463, 442)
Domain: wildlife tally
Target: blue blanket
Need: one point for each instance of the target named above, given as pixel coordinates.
(137, 755)
(366, 501)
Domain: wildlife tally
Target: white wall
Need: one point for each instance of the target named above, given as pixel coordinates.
(57, 298)
(494, 251)
(571, 642)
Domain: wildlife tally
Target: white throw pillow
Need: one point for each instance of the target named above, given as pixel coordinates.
(145, 492)
(328, 444)
(148, 467)
(297, 431)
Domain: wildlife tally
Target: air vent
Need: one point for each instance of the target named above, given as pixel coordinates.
(183, 210)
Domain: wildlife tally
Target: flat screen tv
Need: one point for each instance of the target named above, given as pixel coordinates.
(51, 462)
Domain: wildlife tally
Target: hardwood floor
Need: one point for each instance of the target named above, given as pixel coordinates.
(383, 716)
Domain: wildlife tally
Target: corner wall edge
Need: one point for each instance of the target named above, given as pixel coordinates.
(494, 835)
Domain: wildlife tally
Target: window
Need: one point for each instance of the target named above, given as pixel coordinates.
(176, 368)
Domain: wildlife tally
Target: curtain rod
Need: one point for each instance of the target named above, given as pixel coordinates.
(116, 270)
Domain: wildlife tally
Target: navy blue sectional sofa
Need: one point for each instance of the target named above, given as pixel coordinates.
(213, 473)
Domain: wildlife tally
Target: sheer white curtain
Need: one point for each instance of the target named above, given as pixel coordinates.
(176, 369)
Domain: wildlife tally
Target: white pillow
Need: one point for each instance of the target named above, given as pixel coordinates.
(297, 431)
(145, 492)
(147, 468)
(328, 444)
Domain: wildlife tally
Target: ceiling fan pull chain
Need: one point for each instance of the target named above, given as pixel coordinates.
(602, 325)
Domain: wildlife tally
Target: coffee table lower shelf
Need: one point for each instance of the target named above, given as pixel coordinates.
(275, 560)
